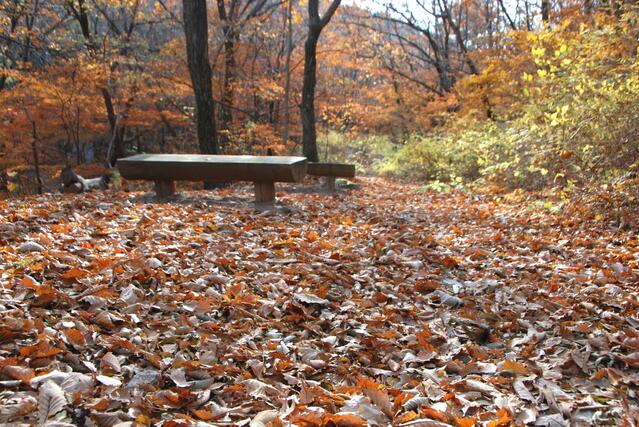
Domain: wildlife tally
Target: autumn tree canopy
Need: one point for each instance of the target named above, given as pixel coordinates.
(101, 79)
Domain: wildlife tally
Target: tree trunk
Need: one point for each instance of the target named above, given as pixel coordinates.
(117, 149)
(545, 11)
(287, 72)
(81, 14)
(230, 33)
(36, 163)
(315, 26)
(196, 32)
(226, 114)
(309, 133)
(34, 150)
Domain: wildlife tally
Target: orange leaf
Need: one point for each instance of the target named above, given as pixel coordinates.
(434, 414)
(422, 339)
(153, 359)
(503, 420)
(408, 416)
(203, 414)
(31, 350)
(377, 395)
(7, 335)
(102, 405)
(450, 262)
(142, 421)
(312, 236)
(29, 282)
(343, 420)
(75, 337)
(516, 368)
(399, 401)
(74, 273)
(103, 263)
(425, 286)
(465, 422)
(45, 295)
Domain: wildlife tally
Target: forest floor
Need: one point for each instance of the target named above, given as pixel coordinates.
(381, 305)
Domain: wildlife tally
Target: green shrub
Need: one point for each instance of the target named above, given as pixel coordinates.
(579, 121)
(367, 153)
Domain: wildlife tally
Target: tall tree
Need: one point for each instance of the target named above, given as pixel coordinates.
(197, 53)
(80, 11)
(234, 15)
(287, 70)
(545, 11)
(315, 26)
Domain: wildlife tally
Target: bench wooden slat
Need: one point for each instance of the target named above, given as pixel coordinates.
(331, 169)
(202, 167)
(263, 171)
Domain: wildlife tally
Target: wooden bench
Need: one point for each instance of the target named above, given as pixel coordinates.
(331, 171)
(263, 171)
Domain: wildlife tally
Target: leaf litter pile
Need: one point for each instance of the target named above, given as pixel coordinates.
(379, 306)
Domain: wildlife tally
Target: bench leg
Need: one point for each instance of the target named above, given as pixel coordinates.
(264, 194)
(330, 184)
(164, 189)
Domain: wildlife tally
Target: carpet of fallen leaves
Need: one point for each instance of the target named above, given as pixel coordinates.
(381, 305)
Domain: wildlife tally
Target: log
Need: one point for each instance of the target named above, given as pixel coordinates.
(74, 183)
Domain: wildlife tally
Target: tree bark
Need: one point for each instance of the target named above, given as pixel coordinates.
(230, 36)
(545, 11)
(315, 26)
(34, 151)
(287, 72)
(117, 148)
(309, 133)
(510, 21)
(197, 52)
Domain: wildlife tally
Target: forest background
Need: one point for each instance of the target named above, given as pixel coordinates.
(500, 94)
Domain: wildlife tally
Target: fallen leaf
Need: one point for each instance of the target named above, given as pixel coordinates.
(51, 400)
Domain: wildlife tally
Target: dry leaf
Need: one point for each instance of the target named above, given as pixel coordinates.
(19, 373)
(110, 364)
(51, 400)
(75, 338)
(262, 419)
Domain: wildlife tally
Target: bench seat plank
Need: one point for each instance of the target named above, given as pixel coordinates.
(331, 169)
(263, 171)
(205, 167)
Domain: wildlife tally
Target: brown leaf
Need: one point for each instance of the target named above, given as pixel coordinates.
(74, 273)
(110, 364)
(75, 338)
(343, 420)
(425, 422)
(264, 418)
(19, 373)
(514, 368)
(377, 395)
